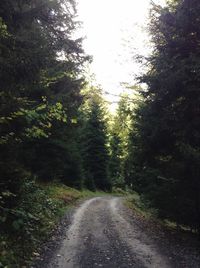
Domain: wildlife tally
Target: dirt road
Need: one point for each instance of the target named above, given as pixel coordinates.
(101, 235)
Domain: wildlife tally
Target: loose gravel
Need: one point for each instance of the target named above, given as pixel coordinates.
(103, 232)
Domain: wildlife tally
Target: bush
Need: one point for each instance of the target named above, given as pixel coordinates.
(24, 227)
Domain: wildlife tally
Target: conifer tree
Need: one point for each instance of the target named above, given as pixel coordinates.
(95, 150)
(40, 83)
(115, 169)
(166, 135)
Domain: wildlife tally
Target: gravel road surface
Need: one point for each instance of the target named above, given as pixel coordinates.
(101, 234)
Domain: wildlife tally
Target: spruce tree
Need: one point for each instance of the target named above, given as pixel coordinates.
(115, 162)
(95, 150)
(166, 134)
(40, 83)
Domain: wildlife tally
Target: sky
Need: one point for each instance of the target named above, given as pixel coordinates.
(115, 32)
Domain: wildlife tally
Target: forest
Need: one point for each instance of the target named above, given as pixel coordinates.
(55, 127)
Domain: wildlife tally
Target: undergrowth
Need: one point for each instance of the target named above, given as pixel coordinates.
(38, 210)
(142, 208)
(139, 205)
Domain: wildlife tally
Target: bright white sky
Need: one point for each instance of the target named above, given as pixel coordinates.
(114, 31)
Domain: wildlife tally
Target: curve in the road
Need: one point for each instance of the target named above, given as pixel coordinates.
(101, 235)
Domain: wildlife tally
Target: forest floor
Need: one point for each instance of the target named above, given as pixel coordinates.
(104, 232)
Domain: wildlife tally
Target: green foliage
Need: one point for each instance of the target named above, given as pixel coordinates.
(163, 161)
(115, 161)
(40, 74)
(28, 221)
(140, 205)
(94, 144)
(40, 68)
(119, 136)
(3, 28)
(31, 220)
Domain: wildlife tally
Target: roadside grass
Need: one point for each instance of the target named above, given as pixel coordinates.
(142, 209)
(37, 214)
(135, 202)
